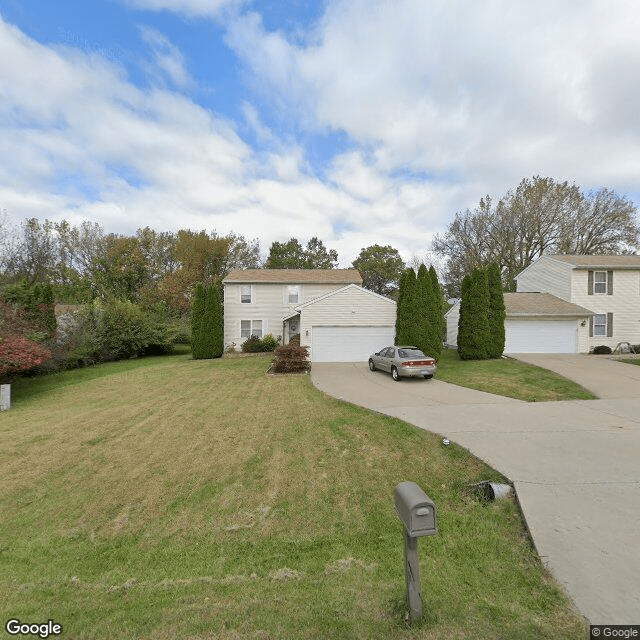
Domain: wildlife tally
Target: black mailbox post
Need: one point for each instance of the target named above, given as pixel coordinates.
(418, 515)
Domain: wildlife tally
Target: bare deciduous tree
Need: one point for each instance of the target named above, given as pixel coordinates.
(539, 216)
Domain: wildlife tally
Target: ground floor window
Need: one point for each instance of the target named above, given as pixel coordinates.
(600, 324)
(250, 328)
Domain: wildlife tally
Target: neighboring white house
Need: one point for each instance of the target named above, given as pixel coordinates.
(570, 304)
(334, 316)
(609, 286)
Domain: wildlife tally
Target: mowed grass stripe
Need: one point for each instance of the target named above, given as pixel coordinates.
(205, 499)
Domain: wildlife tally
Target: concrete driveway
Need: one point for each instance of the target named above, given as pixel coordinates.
(575, 467)
(601, 375)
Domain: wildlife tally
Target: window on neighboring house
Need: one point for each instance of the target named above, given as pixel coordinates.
(600, 324)
(293, 294)
(600, 282)
(245, 293)
(250, 328)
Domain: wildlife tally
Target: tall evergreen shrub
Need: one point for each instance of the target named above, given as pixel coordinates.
(207, 331)
(435, 283)
(407, 318)
(214, 322)
(427, 309)
(473, 326)
(197, 318)
(497, 311)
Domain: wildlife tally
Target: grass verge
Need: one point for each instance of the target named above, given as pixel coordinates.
(509, 377)
(175, 498)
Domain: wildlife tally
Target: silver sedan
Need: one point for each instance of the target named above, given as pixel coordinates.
(403, 362)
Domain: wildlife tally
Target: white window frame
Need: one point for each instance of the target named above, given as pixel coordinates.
(596, 325)
(243, 293)
(291, 290)
(603, 283)
(252, 329)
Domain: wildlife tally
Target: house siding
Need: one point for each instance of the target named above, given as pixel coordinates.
(351, 307)
(452, 316)
(624, 304)
(547, 276)
(267, 304)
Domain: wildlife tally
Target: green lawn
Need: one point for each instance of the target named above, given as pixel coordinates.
(169, 498)
(508, 377)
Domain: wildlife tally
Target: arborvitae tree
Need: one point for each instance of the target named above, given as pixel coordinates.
(402, 288)
(214, 310)
(439, 311)
(207, 326)
(407, 318)
(465, 327)
(497, 311)
(197, 318)
(473, 325)
(426, 310)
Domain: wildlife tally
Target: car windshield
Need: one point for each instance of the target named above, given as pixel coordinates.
(410, 353)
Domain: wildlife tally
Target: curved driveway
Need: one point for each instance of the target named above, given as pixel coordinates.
(575, 465)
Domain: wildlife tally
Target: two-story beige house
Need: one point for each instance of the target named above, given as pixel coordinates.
(570, 304)
(608, 286)
(328, 309)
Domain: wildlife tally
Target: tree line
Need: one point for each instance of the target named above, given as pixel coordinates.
(150, 267)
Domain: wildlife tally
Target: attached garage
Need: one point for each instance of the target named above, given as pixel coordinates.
(347, 325)
(541, 336)
(536, 323)
(349, 344)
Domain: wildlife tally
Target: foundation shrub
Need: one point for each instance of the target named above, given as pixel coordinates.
(291, 359)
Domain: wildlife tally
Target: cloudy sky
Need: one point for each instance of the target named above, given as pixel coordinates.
(357, 121)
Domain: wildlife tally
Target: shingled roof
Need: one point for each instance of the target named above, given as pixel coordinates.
(600, 262)
(295, 276)
(541, 304)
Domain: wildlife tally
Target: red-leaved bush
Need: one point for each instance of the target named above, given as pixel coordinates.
(291, 358)
(19, 353)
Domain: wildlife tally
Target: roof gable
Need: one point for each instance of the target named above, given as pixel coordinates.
(294, 276)
(357, 290)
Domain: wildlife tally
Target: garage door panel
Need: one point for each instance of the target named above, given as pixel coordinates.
(349, 344)
(533, 336)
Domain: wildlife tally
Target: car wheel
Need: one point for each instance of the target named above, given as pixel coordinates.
(372, 366)
(428, 376)
(394, 374)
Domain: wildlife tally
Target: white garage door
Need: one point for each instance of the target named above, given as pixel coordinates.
(541, 336)
(349, 344)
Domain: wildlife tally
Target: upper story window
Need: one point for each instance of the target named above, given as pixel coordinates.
(600, 282)
(245, 294)
(292, 294)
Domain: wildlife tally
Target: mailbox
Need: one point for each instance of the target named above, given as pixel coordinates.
(416, 510)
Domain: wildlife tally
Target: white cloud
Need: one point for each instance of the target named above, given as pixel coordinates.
(196, 8)
(484, 91)
(168, 59)
(442, 101)
(86, 143)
